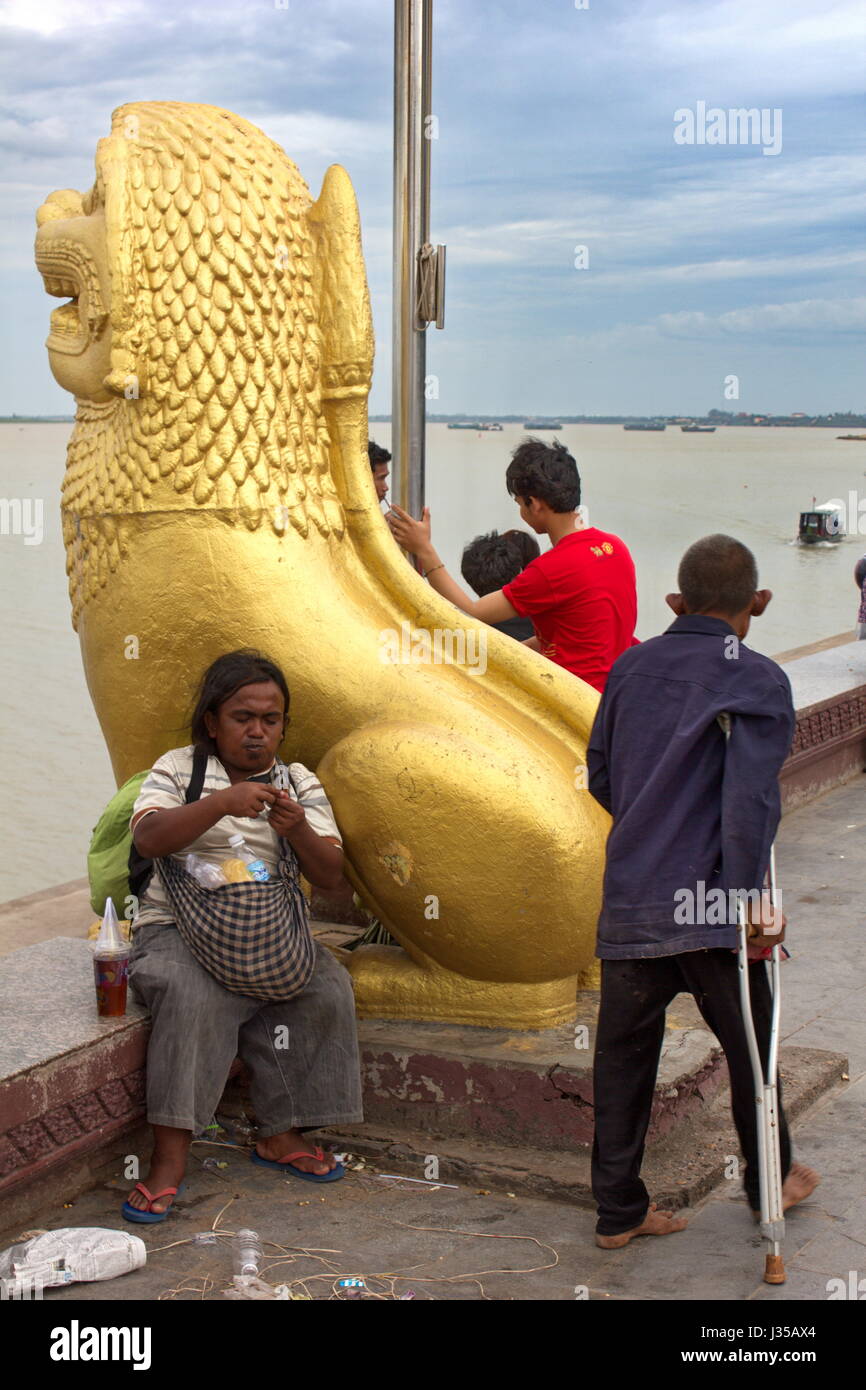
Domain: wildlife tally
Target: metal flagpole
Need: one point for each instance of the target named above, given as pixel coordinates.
(418, 269)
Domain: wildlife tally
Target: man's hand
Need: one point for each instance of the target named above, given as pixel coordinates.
(766, 922)
(320, 857)
(413, 535)
(246, 799)
(287, 816)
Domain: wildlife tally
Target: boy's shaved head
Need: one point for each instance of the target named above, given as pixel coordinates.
(717, 574)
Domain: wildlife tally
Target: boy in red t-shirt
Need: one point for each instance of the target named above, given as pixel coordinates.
(580, 594)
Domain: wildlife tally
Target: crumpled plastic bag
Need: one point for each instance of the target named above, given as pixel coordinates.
(72, 1255)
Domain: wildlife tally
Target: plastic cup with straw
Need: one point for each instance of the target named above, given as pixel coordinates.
(110, 965)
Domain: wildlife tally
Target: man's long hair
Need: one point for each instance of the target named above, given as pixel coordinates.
(221, 680)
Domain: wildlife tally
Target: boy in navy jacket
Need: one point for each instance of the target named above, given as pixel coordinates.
(694, 818)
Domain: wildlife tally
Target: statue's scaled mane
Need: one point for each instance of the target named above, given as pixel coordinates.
(216, 347)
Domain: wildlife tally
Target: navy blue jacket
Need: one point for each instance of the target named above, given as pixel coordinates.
(689, 814)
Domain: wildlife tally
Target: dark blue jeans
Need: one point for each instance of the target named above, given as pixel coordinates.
(629, 1035)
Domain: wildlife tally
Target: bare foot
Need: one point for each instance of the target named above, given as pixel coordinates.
(655, 1223)
(167, 1167)
(799, 1184)
(290, 1141)
(161, 1175)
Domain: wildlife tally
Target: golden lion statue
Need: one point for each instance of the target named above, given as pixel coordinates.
(218, 494)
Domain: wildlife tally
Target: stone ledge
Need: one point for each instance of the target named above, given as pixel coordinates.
(829, 746)
(494, 1086)
(679, 1172)
(70, 1082)
(826, 673)
(24, 1202)
(839, 639)
(504, 1110)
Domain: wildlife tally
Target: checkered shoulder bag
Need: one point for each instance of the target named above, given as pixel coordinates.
(254, 938)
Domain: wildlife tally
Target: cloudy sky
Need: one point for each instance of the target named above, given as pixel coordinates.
(556, 131)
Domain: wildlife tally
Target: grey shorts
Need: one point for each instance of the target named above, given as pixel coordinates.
(302, 1056)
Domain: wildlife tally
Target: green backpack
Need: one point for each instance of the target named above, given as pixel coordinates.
(114, 866)
(108, 856)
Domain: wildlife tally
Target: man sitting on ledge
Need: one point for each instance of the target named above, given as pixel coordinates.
(297, 1039)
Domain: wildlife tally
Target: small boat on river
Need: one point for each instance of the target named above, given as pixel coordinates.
(821, 525)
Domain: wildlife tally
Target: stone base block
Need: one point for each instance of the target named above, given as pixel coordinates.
(492, 1086)
(71, 1083)
(694, 1156)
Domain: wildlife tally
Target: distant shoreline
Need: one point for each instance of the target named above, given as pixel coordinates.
(831, 422)
(828, 422)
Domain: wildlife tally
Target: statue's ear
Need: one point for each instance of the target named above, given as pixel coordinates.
(340, 284)
(346, 323)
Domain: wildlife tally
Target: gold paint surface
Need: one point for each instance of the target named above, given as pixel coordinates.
(218, 494)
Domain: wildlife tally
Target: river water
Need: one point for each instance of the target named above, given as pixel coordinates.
(659, 492)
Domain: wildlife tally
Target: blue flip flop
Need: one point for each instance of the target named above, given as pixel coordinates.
(143, 1215)
(286, 1166)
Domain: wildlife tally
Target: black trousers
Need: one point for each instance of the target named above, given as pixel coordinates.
(629, 1034)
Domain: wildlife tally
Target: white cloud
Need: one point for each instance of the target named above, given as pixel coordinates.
(745, 268)
(778, 47)
(49, 17)
(335, 138)
(798, 316)
(705, 212)
(792, 320)
(50, 135)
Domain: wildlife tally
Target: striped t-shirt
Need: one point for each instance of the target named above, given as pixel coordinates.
(165, 787)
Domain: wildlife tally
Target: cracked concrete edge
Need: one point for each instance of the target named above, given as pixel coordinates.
(680, 1171)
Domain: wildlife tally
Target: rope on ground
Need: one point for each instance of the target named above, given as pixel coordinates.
(185, 1286)
(290, 1254)
(391, 1278)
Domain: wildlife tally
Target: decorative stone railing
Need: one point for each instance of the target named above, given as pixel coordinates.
(829, 687)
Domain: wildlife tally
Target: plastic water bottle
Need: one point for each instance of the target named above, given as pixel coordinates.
(208, 875)
(257, 868)
(247, 1252)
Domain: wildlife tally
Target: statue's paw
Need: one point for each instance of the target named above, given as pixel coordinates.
(485, 863)
(389, 984)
